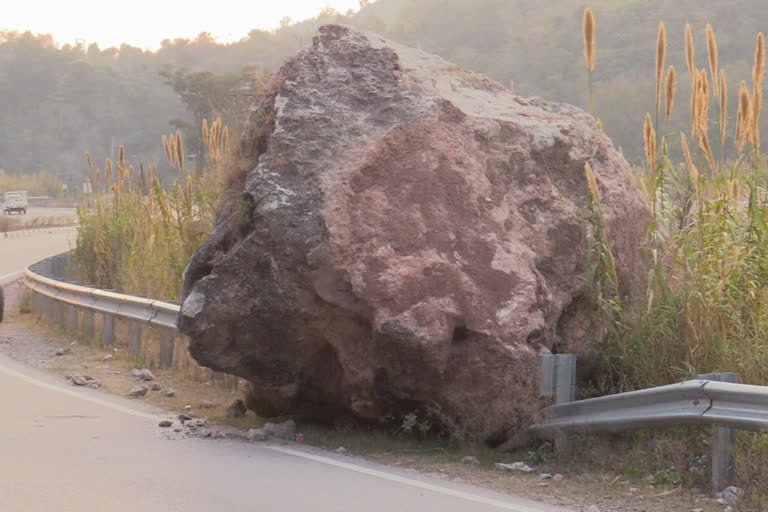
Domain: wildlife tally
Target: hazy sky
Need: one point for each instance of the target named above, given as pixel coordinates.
(145, 23)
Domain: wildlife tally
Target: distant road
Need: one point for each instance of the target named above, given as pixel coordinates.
(17, 253)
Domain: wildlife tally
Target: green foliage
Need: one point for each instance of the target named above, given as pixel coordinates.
(543, 454)
(139, 239)
(751, 470)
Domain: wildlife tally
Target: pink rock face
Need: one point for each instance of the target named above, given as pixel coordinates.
(409, 236)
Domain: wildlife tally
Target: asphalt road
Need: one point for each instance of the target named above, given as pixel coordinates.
(71, 449)
(17, 252)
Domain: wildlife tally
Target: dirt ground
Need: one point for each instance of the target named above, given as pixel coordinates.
(26, 338)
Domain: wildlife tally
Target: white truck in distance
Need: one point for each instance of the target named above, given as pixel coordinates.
(15, 202)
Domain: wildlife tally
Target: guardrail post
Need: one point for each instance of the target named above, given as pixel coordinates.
(61, 313)
(557, 377)
(546, 375)
(565, 378)
(108, 331)
(723, 442)
(88, 329)
(134, 344)
(166, 350)
(71, 318)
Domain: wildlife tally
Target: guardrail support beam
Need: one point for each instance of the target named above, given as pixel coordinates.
(134, 343)
(723, 442)
(557, 377)
(88, 329)
(166, 350)
(108, 331)
(71, 318)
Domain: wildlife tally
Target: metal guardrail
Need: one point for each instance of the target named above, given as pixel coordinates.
(739, 406)
(75, 307)
(151, 324)
(711, 399)
(154, 312)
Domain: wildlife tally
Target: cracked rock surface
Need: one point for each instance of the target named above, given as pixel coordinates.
(406, 236)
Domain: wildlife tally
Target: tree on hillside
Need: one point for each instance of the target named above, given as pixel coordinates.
(206, 96)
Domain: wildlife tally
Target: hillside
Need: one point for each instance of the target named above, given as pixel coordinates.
(58, 102)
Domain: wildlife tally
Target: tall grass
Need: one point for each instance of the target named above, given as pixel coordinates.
(707, 293)
(137, 235)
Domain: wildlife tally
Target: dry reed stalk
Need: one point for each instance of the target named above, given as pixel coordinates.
(172, 151)
(757, 82)
(693, 173)
(204, 129)
(89, 160)
(649, 136)
(592, 184)
(661, 52)
(122, 155)
(670, 91)
(743, 117)
(723, 109)
(109, 171)
(696, 93)
(588, 26)
(712, 52)
(180, 151)
(690, 53)
(702, 110)
(704, 144)
(166, 148)
(735, 190)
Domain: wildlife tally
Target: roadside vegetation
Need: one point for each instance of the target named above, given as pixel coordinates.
(137, 234)
(705, 309)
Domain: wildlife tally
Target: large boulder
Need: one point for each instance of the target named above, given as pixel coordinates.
(405, 236)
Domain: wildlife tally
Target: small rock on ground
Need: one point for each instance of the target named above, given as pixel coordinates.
(107, 357)
(558, 477)
(138, 391)
(136, 373)
(205, 404)
(257, 434)
(515, 466)
(169, 392)
(285, 430)
(165, 423)
(63, 351)
(341, 449)
(236, 409)
(79, 380)
(545, 476)
(155, 386)
(470, 459)
(146, 375)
